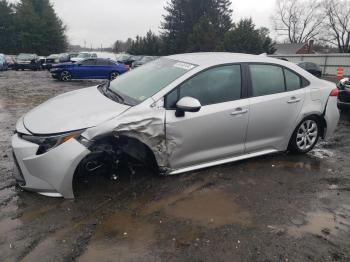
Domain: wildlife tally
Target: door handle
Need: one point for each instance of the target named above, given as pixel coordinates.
(239, 111)
(293, 99)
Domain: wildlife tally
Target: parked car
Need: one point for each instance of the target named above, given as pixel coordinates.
(127, 59)
(73, 54)
(312, 68)
(83, 56)
(143, 60)
(10, 60)
(93, 68)
(3, 64)
(28, 61)
(56, 59)
(178, 113)
(344, 93)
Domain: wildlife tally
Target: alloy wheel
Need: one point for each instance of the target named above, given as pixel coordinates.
(66, 76)
(114, 75)
(307, 135)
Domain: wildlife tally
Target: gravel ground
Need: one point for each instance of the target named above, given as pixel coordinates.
(273, 208)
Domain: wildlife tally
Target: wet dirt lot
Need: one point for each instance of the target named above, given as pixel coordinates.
(273, 208)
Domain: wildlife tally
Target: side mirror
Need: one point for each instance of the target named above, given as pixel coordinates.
(187, 104)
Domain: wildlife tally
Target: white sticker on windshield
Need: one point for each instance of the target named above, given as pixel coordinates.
(184, 66)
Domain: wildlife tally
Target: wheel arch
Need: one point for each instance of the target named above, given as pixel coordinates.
(121, 144)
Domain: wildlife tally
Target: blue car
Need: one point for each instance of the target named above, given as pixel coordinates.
(92, 68)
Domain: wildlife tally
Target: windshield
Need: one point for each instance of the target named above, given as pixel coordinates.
(123, 57)
(149, 79)
(25, 57)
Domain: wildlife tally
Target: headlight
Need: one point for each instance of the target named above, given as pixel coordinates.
(46, 143)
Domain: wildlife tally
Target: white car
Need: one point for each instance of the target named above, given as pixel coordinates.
(83, 56)
(178, 113)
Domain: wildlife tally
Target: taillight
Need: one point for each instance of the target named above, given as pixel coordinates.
(335, 92)
(127, 67)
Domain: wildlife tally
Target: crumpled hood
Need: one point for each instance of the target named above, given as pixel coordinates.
(72, 111)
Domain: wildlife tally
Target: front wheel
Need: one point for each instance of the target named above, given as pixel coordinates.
(305, 136)
(66, 76)
(113, 75)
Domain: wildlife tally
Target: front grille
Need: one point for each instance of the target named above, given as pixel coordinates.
(17, 172)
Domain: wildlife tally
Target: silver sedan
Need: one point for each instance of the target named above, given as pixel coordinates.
(178, 113)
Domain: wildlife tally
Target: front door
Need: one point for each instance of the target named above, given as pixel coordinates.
(218, 130)
(86, 69)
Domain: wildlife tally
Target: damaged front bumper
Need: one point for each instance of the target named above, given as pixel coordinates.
(51, 173)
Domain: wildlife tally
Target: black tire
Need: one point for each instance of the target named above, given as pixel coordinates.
(113, 75)
(66, 76)
(305, 136)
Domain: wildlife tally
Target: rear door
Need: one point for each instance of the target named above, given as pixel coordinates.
(276, 101)
(218, 130)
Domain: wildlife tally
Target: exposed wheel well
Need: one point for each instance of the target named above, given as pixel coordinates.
(109, 150)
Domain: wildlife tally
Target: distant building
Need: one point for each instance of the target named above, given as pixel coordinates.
(295, 48)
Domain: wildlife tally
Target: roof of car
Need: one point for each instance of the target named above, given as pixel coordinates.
(213, 58)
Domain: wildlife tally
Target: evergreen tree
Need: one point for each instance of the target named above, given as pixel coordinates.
(245, 38)
(187, 20)
(7, 30)
(203, 38)
(39, 29)
(148, 45)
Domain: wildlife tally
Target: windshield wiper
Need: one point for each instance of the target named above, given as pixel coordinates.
(120, 97)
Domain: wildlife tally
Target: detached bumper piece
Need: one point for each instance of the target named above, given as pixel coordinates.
(17, 173)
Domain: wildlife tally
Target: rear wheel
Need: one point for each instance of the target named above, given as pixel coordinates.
(66, 76)
(113, 75)
(305, 136)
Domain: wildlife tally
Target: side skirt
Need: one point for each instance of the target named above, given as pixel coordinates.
(222, 161)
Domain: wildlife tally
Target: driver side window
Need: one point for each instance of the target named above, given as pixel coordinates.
(213, 86)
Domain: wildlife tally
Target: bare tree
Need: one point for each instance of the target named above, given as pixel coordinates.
(298, 21)
(337, 24)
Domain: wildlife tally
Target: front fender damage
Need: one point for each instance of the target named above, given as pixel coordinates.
(145, 125)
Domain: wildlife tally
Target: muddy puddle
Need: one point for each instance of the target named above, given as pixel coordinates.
(120, 237)
(321, 223)
(212, 208)
(131, 234)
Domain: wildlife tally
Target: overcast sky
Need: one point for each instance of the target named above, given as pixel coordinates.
(104, 21)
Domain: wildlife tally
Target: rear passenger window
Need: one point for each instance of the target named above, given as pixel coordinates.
(293, 81)
(266, 79)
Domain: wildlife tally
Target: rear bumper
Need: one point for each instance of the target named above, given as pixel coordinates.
(331, 116)
(50, 173)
